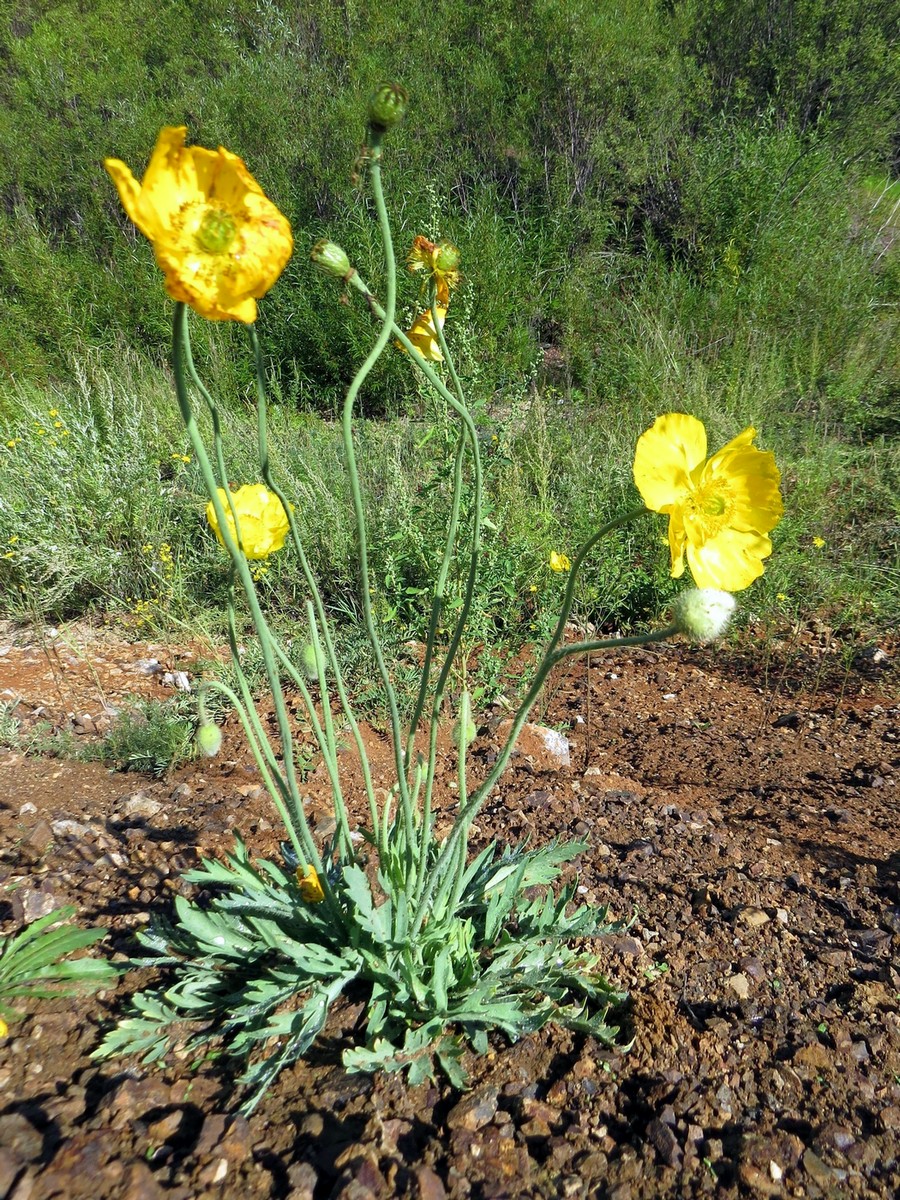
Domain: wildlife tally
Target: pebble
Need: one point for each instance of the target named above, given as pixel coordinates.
(475, 1110)
(140, 805)
(739, 984)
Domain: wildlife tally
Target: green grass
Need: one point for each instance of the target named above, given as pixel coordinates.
(106, 519)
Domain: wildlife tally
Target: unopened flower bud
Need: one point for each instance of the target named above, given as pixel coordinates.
(446, 257)
(703, 614)
(330, 259)
(470, 732)
(209, 739)
(308, 661)
(387, 106)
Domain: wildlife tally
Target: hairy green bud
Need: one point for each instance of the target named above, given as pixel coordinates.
(387, 106)
(330, 259)
(308, 661)
(209, 740)
(446, 257)
(703, 613)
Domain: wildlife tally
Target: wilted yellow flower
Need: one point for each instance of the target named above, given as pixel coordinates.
(220, 242)
(261, 517)
(310, 887)
(720, 509)
(424, 337)
(559, 562)
(818, 542)
(441, 261)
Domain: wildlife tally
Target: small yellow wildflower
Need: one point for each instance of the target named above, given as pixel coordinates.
(310, 887)
(57, 424)
(559, 562)
(782, 596)
(52, 412)
(41, 431)
(261, 516)
(64, 433)
(13, 538)
(720, 509)
(221, 243)
(533, 588)
(818, 542)
(12, 443)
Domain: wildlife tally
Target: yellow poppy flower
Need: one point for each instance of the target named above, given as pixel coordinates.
(441, 261)
(720, 509)
(559, 562)
(310, 887)
(424, 337)
(220, 242)
(261, 517)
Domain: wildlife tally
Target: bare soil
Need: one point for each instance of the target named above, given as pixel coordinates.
(742, 805)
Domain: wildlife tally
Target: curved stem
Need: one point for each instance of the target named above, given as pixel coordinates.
(311, 583)
(387, 319)
(179, 343)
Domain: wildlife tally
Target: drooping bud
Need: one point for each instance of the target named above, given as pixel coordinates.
(387, 106)
(308, 661)
(464, 727)
(209, 739)
(330, 259)
(703, 613)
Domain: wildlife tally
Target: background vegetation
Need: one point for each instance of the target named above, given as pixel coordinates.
(678, 205)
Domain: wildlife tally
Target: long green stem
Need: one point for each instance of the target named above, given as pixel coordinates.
(312, 584)
(387, 321)
(179, 342)
(441, 879)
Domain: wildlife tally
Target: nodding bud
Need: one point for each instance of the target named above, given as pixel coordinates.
(308, 661)
(387, 106)
(446, 257)
(330, 259)
(467, 734)
(209, 740)
(703, 614)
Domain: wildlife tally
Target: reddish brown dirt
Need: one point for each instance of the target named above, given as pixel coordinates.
(742, 805)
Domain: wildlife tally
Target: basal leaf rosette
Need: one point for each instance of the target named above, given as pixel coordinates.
(221, 243)
(261, 517)
(720, 509)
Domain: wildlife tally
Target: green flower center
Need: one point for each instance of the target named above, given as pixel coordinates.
(707, 510)
(216, 233)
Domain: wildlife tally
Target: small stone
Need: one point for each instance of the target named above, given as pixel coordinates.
(303, 1180)
(21, 1137)
(889, 1118)
(37, 842)
(183, 792)
(664, 1142)
(818, 1170)
(30, 904)
(430, 1186)
(141, 805)
(753, 917)
(739, 984)
(475, 1110)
